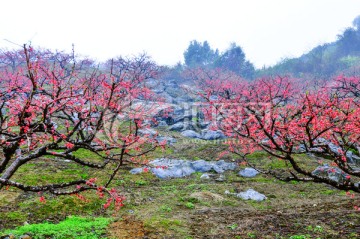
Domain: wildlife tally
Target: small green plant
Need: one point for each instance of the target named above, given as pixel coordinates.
(299, 237)
(190, 205)
(233, 226)
(251, 235)
(165, 208)
(140, 182)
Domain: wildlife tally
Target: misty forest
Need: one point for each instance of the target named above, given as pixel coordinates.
(211, 147)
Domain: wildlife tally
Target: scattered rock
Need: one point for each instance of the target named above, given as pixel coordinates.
(248, 172)
(169, 140)
(221, 178)
(353, 158)
(203, 124)
(212, 135)
(136, 170)
(162, 123)
(176, 168)
(201, 166)
(11, 236)
(332, 173)
(149, 132)
(221, 166)
(25, 237)
(252, 195)
(205, 176)
(177, 127)
(190, 134)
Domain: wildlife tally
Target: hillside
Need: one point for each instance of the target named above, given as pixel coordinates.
(329, 59)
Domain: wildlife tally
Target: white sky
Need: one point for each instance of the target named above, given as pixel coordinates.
(267, 30)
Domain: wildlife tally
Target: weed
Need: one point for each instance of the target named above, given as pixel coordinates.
(251, 235)
(300, 237)
(165, 208)
(140, 183)
(233, 226)
(72, 227)
(190, 205)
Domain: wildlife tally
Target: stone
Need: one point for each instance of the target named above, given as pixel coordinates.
(149, 132)
(169, 140)
(181, 126)
(201, 166)
(177, 127)
(136, 170)
(251, 194)
(221, 178)
(353, 158)
(25, 237)
(248, 172)
(332, 173)
(205, 176)
(203, 124)
(10, 236)
(212, 135)
(225, 165)
(182, 118)
(190, 134)
(176, 168)
(213, 97)
(162, 123)
(183, 98)
(165, 97)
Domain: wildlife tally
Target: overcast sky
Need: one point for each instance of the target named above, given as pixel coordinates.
(267, 30)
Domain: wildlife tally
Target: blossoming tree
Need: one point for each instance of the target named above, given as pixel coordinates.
(52, 104)
(287, 118)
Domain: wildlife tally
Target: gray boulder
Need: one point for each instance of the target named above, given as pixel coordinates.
(175, 168)
(169, 140)
(248, 172)
(221, 166)
(136, 170)
(190, 134)
(182, 118)
(205, 176)
(353, 158)
(181, 126)
(201, 166)
(212, 135)
(213, 97)
(162, 123)
(171, 168)
(149, 132)
(251, 194)
(332, 173)
(165, 97)
(183, 99)
(177, 127)
(203, 124)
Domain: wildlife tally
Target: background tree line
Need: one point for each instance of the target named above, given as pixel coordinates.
(200, 54)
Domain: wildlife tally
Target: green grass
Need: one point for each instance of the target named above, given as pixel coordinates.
(71, 227)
